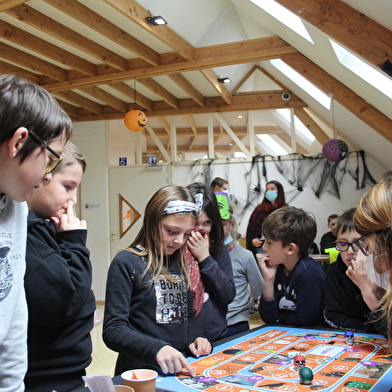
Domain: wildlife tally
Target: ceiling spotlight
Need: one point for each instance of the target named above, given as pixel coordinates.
(156, 20)
(224, 80)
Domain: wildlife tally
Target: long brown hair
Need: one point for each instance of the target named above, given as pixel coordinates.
(266, 205)
(149, 240)
(374, 215)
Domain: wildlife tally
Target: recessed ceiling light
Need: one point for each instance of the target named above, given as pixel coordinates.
(239, 116)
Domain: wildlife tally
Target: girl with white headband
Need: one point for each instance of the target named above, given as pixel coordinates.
(149, 317)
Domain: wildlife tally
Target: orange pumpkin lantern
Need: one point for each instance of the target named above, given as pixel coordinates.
(135, 120)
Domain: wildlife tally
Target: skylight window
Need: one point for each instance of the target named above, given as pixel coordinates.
(285, 16)
(363, 70)
(239, 154)
(299, 126)
(272, 144)
(298, 79)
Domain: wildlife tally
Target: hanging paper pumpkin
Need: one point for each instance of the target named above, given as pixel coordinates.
(335, 150)
(135, 120)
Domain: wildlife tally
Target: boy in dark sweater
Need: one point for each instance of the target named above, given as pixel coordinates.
(58, 281)
(293, 281)
(343, 305)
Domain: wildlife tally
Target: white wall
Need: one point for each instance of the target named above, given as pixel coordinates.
(92, 139)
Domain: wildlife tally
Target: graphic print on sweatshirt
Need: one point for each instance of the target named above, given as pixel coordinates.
(172, 303)
(6, 275)
(288, 300)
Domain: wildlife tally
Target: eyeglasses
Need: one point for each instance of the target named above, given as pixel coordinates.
(363, 244)
(345, 246)
(53, 163)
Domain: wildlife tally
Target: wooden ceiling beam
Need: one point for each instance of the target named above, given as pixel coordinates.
(104, 96)
(186, 86)
(31, 63)
(56, 30)
(212, 77)
(8, 68)
(346, 25)
(129, 92)
(346, 97)
(7, 4)
(260, 49)
(109, 30)
(137, 14)
(158, 90)
(214, 104)
(43, 48)
(78, 100)
(192, 123)
(203, 131)
(313, 127)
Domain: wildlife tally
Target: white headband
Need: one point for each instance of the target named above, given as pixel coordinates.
(176, 206)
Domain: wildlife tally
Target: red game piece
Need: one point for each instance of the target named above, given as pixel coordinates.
(299, 361)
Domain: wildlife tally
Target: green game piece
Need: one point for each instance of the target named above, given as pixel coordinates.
(306, 375)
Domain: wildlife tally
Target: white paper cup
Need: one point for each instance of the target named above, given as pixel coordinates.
(141, 380)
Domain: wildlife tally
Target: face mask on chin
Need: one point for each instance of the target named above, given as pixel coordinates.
(228, 239)
(271, 195)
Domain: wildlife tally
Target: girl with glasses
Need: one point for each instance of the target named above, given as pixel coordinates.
(343, 305)
(373, 220)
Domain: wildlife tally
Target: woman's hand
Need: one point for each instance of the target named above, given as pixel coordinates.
(256, 242)
(199, 245)
(200, 347)
(172, 361)
(359, 274)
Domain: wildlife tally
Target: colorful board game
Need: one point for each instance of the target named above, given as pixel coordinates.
(263, 360)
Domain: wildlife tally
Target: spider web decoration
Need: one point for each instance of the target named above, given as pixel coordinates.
(315, 172)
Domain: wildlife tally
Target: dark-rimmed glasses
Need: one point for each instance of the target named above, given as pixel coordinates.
(363, 244)
(53, 163)
(343, 246)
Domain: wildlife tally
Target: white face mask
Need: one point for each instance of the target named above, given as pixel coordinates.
(381, 280)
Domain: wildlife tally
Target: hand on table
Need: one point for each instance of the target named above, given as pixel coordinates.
(172, 361)
(200, 347)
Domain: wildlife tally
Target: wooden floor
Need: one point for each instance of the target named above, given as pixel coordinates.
(104, 359)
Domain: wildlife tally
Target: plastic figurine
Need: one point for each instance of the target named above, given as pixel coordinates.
(299, 362)
(349, 338)
(305, 375)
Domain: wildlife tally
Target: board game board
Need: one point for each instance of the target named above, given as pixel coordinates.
(262, 360)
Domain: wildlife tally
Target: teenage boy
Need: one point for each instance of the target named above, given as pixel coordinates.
(328, 239)
(58, 281)
(33, 131)
(343, 305)
(293, 282)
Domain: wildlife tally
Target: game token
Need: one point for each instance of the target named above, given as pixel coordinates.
(299, 361)
(306, 375)
(349, 338)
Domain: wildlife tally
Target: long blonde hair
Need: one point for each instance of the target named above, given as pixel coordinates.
(374, 215)
(149, 240)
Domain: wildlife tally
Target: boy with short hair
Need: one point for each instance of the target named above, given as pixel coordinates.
(328, 239)
(343, 305)
(58, 282)
(293, 281)
(33, 131)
